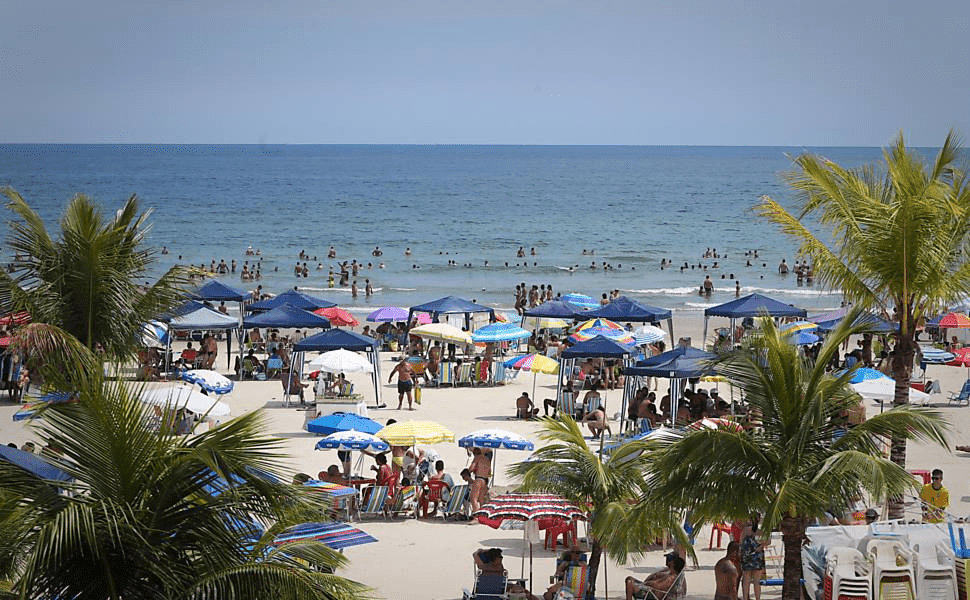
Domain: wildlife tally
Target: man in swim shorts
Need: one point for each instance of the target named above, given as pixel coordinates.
(726, 573)
(405, 382)
(657, 583)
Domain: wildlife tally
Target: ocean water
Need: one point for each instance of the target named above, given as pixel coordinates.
(457, 208)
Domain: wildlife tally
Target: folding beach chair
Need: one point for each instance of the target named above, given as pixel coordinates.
(405, 500)
(488, 586)
(374, 500)
(273, 367)
(962, 397)
(446, 374)
(465, 373)
(574, 583)
(456, 501)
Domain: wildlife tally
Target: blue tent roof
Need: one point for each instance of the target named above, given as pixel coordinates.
(677, 363)
(830, 321)
(754, 305)
(292, 298)
(335, 339)
(597, 347)
(33, 464)
(450, 305)
(218, 292)
(556, 309)
(625, 309)
(286, 316)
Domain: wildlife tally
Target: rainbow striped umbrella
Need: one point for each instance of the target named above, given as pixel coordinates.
(334, 534)
(617, 335)
(537, 363)
(598, 323)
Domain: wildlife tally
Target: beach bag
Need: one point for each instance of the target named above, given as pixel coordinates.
(417, 394)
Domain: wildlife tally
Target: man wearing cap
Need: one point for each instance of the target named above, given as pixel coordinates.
(935, 498)
(871, 516)
(657, 584)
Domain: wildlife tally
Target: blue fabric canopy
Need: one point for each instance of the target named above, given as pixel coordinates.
(556, 309)
(292, 298)
(450, 305)
(33, 464)
(335, 339)
(830, 320)
(286, 316)
(626, 309)
(679, 363)
(598, 347)
(216, 291)
(203, 318)
(754, 305)
(340, 421)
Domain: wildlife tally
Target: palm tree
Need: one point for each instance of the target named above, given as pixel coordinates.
(802, 460)
(89, 280)
(568, 468)
(153, 515)
(899, 241)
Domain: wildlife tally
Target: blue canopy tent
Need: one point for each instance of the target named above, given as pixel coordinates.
(629, 310)
(287, 317)
(677, 364)
(33, 464)
(216, 291)
(194, 315)
(752, 305)
(556, 309)
(291, 298)
(830, 320)
(336, 339)
(451, 305)
(595, 347)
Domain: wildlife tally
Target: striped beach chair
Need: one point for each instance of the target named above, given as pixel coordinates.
(374, 501)
(456, 501)
(446, 374)
(465, 374)
(405, 500)
(574, 582)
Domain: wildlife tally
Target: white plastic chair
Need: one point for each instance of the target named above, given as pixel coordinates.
(893, 576)
(850, 575)
(936, 576)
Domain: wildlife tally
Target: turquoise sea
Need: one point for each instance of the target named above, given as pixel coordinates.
(455, 207)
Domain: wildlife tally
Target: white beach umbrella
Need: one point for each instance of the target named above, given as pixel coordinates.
(884, 390)
(185, 397)
(443, 332)
(208, 380)
(342, 361)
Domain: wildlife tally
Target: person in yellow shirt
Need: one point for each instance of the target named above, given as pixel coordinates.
(935, 498)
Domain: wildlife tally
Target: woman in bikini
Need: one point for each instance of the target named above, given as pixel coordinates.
(481, 470)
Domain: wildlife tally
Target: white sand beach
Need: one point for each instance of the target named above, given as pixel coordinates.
(431, 559)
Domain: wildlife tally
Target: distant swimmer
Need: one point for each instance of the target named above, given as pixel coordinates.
(377, 251)
(783, 267)
(708, 286)
(407, 251)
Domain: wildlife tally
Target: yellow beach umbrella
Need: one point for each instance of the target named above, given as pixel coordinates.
(410, 433)
(443, 332)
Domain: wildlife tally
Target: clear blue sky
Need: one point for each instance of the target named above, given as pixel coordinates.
(752, 72)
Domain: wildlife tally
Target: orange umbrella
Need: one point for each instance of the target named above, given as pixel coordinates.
(337, 316)
(954, 321)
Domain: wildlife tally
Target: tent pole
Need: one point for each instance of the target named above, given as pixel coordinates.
(670, 326)
(704, 339)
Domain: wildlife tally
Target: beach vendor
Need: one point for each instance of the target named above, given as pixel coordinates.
(935, 497)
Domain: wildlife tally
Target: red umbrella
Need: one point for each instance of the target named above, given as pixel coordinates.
(527, 507)
(954, 321)
(18, 318)
(337, 316)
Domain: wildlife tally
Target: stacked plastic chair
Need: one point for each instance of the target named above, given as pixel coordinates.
(847, 571)
(893, 575)
(936, 576)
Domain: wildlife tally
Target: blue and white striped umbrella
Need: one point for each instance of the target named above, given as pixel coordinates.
(580, 300)
(648, 334)
(499, 332)
(804, 338)
(352, 440)
(495, 438)
(210, 381)
(936, 356)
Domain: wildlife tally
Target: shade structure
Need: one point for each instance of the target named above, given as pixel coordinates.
(865, 374)
(537, 363)
(341, 361)
(617, 335)
(334, 534)
(598, 347)
(830, 320)
(18, 318)
(30, 409)
(202, 317)
(33, 464)
(555, 309)
(954, 320)
(337, 316)
(679, 363)
(341, 421)
(410, 433)
(443, 332)
(210, 381)
(648, 334)
(286, 317)
(216, 291)
(544, 323)
(291, 298)
(451, 305)
(499, 332)
(422, 318)
(580, 300)
(797, 326)
(754, 305)
(716, 423)
(154, 334)
(803, 338)
(884, 390)
(626, 309)
(525, 507)
(179, 397)
(495, 438)
(352, 440)
(334, 490)
(601, 323)
(334, 339)
(388, 314)
(935, 356)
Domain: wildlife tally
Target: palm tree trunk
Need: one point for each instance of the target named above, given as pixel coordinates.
(792, 536)
(596, 551)
(902, 371)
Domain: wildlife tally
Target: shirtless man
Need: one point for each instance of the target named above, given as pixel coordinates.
(658, 582)
(434, 359)
(524, 407)
(405, 382)
(726, 574)
(211, 349)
